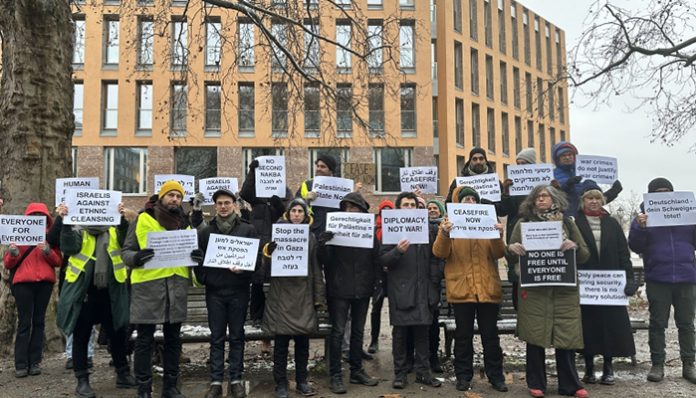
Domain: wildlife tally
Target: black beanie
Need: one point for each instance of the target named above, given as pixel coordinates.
(328, 160)
(658, 183)
(476, 150)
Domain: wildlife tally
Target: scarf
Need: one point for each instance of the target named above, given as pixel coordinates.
(552, 214)
(471, 172)
(599, 213)
(102, 261)
(226, 224)
(170, 219)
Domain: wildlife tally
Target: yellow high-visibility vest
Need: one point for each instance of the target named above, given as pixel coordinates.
(77, 262)
(144, 224)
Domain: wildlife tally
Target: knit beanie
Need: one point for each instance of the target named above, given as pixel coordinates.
(468, 191)
(439, 205)
(528, 155)
(478, 150)
(658, 183)
(589, 186)
(561, 148)
(328, 160)
(171, 185)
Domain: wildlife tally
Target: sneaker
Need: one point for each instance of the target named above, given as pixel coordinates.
(19, 373)
(373, 348)
(581, 393)
(236, 390)
(463, 385)
(281, 391)
(214, 391)
(399, 383)
(337, 386)
(608, 379)
(535, 392)
(589, 378)
(428, 380)
(360, 377)
(35, 369)
(305, 389)
(499, 386)
(68, 364)
(657, 372)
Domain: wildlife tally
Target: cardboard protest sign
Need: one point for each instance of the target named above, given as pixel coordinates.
(602, 287)
(410, 224)
(666, 209)
(548, 268)
(22, 230)
(423, 178)
(92, 207)
(270, 176)
(526, 177)
(188, 182)
(360, 172)
(472, 221)
(330, 190)
(63, 184)
(172, 248)
(487, 185)
(208, 186)
(225, 251)
(601, 169)
(545, 235)
(351, 229)
(291, 256)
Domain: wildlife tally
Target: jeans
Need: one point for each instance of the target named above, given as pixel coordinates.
(338, 314)
(145, 343)
(90, 346)
(280, 358)
(226, 310)
(401, 349)
(487, 317)
(661, 297)
(568, 380)
(32, 301)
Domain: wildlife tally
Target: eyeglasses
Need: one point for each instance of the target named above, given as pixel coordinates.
(225, 203)
(543, 196)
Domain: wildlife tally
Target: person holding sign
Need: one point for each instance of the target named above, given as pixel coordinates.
(291, 308)
(606, 329)
(670, 276)
(95, 292)
(380, 292)
(473, 287)
(325, 165)
(549, 316)
(32, 275)
(158, 295)
(226, 297)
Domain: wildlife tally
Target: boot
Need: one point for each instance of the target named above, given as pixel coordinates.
(145, 388)
(657, 372)
(215, 391)
(689, 371)
(337, 386)
(169, 389)
(608, 373)
(124, 379)
(83, 389)
(589, 377)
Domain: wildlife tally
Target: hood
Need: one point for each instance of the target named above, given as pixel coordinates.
(561, 148)
(386, 203)
(298, 201)
(356, 199)
(40, 208)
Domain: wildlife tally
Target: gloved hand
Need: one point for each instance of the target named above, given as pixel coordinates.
(277, 202)
(197, 201)
(631, 288)
(270, 248)
(254, 164)
(197, 256)
(143, 256)
(614, 191)
(572, 181)
(325, 237)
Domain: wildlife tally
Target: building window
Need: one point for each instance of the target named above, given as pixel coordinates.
(111, 33)
(146, 37)
(376, 107)
(458, 66)
(518, 134)
(537, 42)
(343, 4)
(78, 105)
(476, 125)
(561, 105)
(246, 46)
(563, 135)
(552, 136)
(457, 14)
(279, 122)
(407, 60)
(530, 133)
(501, 27)
(179, 42)
(525, 32)
(410, 4)
(540, 97)
(213, 43)
(340, 154)
(144, 108)
(489, 77)
(487, 24)
(311, 46)
(542, 143)
(126, 169)
(552, 101)
(374, 4)
(198, 162)
(474, 72)
(344, 62)
(408, 110)
(279, 31)
(516, 87)
(109, 108)
(549, 58)
(490, 125)
(213, 102)
(388, 161)
(375, 56)
(246, 106)
(344, 110)
(436, 133)
(459, 121)
(73, 157)
(179, 101)
(503, 83)
(528, 91)
(505, 130)
(473, 19)
(559, 57)
(312, 112)
(515, 34)
(79, 51)
(249, 154)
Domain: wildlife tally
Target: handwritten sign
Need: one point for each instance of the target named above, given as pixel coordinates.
(172, 248)
(410, 224)
(208, 186)
(423, 178)
(362, 172)
(599, 287)
(331, 190)
(487, 185)
(186, 181)
(351, 229)
(670, 208)
(63, 184)
(92, 207)
(22, 230)
(601, 169)
(472, 221)
(526, 177)
(270, 176)
(546, 235)
(548, 268)
(291, 256)
(225, 251)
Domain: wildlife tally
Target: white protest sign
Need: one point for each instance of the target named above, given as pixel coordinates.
(330, 190)
(22, 230)
(526, 177)
(92, 207)
(545, 235)
(225, 251)
(63, 184)
(291, 256)
(472, 221)
(602, 287)
(423, 178)
(487, 185)
(172, 248)
(670, 208)
(270, 176)
(351, 229)
(208, 186)
(601, 169)
(188, 182)
(411, 224)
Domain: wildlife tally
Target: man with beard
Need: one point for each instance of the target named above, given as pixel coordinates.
(158, 296)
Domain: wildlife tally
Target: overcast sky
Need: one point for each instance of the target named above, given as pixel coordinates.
(611, 130)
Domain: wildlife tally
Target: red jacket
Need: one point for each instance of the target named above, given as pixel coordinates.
(37, 267)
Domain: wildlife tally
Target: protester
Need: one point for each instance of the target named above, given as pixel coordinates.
(473, 287)
(380, 292)
(291, 309)
(606, 329)
(226, 297)
(158, 296)
(32, 276)
(549, 316)
(95, 292)
(324, 166)
(436, 213)
(670, 276)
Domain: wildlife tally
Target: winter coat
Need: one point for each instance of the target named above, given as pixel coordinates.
(318, 212)
(549, 316)
(37, 266)
(668, 252)
(606, 329)
(290, 301)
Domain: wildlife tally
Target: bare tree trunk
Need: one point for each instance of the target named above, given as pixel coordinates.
(36, 121)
